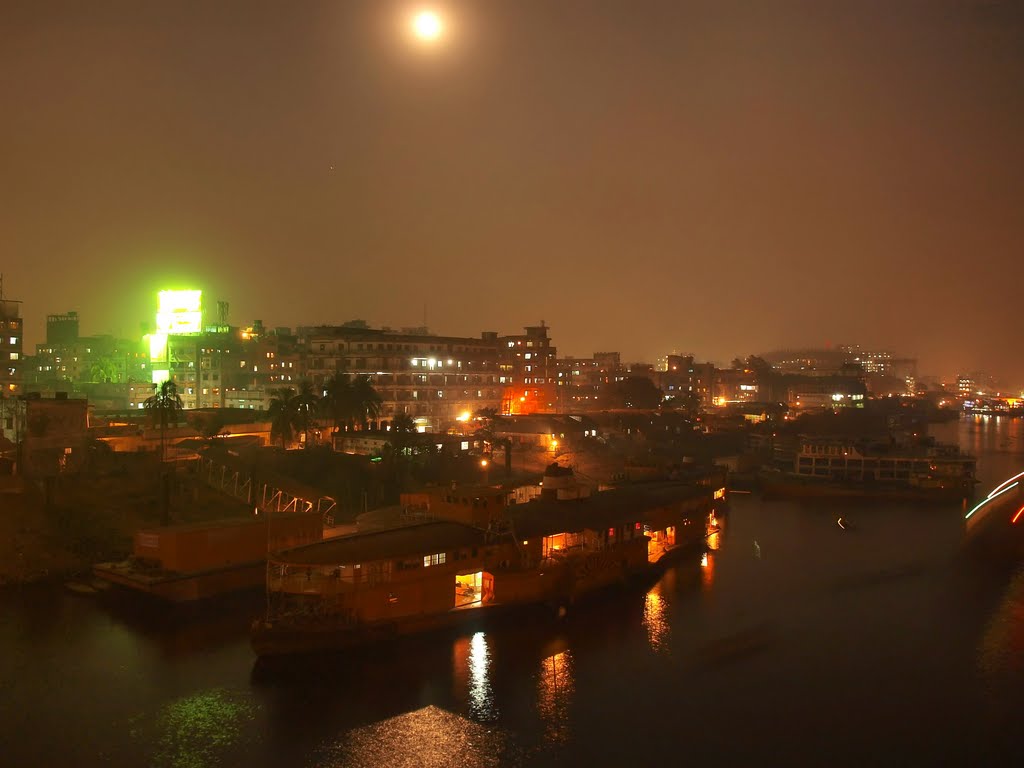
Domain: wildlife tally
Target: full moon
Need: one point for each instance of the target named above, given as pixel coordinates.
(427, 26)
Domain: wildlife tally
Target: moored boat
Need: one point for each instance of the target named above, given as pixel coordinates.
(469, 554)
(833, 467)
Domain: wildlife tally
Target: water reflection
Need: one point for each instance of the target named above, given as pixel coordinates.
(196, 731)
(716, 524)
(481, 696)
(1001, 653)
(655, 620)
(426, 737)
(472, 673)
(555, 689)
(707, 571)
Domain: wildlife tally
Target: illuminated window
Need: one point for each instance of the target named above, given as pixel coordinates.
(429, 560)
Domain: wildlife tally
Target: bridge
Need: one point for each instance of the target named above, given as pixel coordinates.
(1006, 500)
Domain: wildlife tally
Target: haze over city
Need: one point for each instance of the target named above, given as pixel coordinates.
(718, 177)
(511, 383)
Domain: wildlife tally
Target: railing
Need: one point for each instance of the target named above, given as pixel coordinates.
(240, 485)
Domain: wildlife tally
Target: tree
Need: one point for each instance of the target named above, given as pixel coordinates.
(103, 370)
(282, 415)
(304, 408)
(403, 423)
(164, 406)
(403, 427)
(208, 424)
(351, 401)
(634, 392)
(337, 399)
(367, 403)
(487, 433)
(687, 403)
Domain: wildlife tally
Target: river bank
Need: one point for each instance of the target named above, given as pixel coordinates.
(59, 532)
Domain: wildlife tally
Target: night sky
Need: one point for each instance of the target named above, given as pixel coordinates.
(716, 177)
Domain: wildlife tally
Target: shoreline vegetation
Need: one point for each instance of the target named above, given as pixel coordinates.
(56, 528)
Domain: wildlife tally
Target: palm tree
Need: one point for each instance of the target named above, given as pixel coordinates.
(403, 427)
(351, 400)
(403, 423)
(337, 399)
(164, 406)
(103, 370)
(367, 402)
(282, 414)
(304, 408)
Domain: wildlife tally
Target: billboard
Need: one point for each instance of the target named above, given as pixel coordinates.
(179, 312)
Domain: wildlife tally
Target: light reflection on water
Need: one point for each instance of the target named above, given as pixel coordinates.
(655, 621)
(424, 738)
(707, 571)
(481, 695)
(496, 698)
(195, 731)
(1001, 651)
(555, 689)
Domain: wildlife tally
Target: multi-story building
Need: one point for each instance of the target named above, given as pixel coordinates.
(684, 376)
(438, 380)
(583, 381)
(11, 343)
(101, 359)
(528, 372)
(808, 393)
(62, 329)
(737, 385)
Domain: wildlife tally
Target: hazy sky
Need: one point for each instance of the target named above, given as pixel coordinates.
(719, 177)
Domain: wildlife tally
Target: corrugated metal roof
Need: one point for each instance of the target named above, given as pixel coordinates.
(407, 541)
(542, 517)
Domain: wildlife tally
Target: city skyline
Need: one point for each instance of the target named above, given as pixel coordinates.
(731, 182)
(212, 305)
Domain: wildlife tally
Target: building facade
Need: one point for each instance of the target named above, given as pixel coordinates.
(528, 372)
(11, 347)
(437, 380)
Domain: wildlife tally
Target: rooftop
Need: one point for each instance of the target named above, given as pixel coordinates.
(408, 541)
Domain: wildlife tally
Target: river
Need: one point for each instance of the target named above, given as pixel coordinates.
(792, 642)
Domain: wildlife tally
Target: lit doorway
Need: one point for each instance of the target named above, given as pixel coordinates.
(473, 588)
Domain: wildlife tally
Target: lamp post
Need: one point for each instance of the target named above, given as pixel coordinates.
(485, 465)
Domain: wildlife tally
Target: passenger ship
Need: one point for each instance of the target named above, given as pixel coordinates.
(470, 552)
(843, 467)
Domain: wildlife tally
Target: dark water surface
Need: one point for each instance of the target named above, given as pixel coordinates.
(796, 643)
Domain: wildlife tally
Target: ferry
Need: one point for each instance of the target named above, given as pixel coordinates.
(841, 467)
(466, 553)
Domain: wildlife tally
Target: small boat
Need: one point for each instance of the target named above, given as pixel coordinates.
(80, 588)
